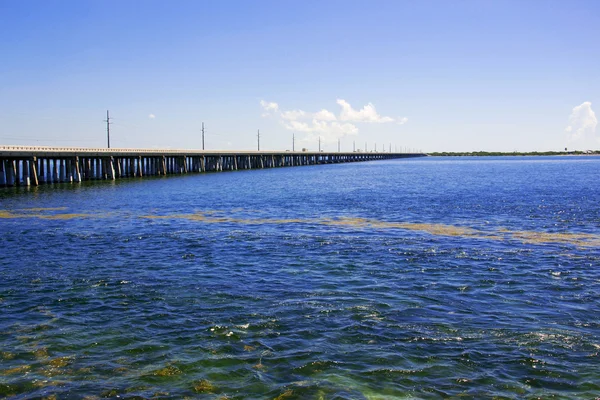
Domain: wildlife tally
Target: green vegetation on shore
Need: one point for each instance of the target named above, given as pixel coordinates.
(529, 153)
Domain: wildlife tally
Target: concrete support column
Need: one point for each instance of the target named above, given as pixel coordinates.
(54, 171)
(18, 172)
(77, 170)
(63, 170)
(2, 173)
(33, 176)
(86, 166)
(81, 165)
(26, 181)
(130, 167)
(104, 167)
(42, 170)
(69, 162)
(98, 168)
(111, 168)
(118, 167)
(11, 172)
(140, 166)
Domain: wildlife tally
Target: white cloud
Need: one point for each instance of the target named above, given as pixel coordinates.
(293, 115)
(269, 106)
(366, 114)
(582, 126)
(328, 131)
(151, 116)
(324, 124)
(325, 115)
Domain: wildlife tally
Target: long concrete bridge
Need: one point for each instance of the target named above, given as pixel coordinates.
(25, 166)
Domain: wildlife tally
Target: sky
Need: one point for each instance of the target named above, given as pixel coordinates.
(401, 75)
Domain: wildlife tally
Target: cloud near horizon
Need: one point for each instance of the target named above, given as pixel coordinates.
(151, 116)
(581, 130)
(324, 123)
(366, 114)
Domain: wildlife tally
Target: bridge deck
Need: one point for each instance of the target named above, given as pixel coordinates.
(27, 165)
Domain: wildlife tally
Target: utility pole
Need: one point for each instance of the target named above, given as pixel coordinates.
(319, 144)
(107, 120)
(258, 136)
(293, 142)
(203, 136)
(390, 147)
(375, 147)
(365, 147)
(354, 146)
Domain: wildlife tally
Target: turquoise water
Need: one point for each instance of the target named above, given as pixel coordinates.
(411, 279)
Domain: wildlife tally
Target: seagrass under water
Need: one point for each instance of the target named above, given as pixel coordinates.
(422, 278)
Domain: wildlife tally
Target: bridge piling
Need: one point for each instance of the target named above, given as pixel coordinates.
(2, 173)
(21, 165)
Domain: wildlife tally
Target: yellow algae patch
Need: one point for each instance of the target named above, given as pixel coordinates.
(64, 216)
(442, 230)
(582, 240)
(203, 386)
(287, 394)
(169, 370)
(260, 365)
(40, 352)
(7, 355)
(434, 229)
(577, 239)
(24, 339)
(354, 222)
(60, 362)
(44, 383)
(249, 348)
(40, 209)
(16, 370)
(204, 217)
(10, 215)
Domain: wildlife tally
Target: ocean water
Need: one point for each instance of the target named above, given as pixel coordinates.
(426, 278)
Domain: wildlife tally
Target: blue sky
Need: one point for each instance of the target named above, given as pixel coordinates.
(429, 75)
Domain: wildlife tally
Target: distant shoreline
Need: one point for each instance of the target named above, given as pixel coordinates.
(531, 153)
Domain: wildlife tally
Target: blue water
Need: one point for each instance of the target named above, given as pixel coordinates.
(412, 279)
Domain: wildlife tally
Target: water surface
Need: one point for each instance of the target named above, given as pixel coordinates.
(417, 279)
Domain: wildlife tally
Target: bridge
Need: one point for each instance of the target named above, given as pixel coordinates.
(32, 166)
